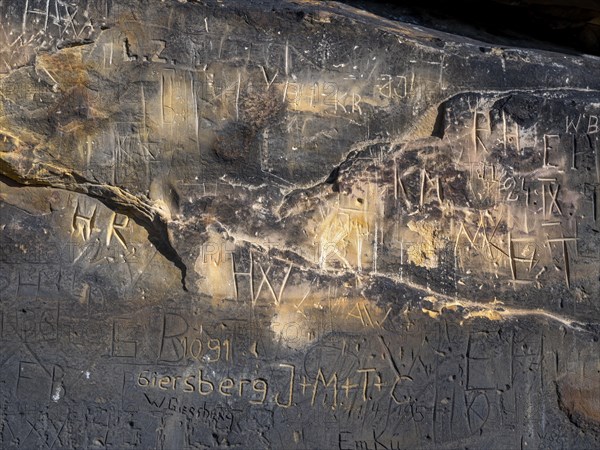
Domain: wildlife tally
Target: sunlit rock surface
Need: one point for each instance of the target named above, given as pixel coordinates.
(292, 225)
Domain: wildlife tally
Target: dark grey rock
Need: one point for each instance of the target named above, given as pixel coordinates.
(292, 225)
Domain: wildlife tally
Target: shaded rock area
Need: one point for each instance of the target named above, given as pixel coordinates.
(295, 224)
(568, 25)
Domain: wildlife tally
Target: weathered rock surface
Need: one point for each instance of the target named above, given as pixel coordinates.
(292, 225)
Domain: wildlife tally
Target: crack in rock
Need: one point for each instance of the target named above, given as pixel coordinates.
(25, 171)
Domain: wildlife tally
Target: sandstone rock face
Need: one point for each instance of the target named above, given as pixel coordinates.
(292, 225)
